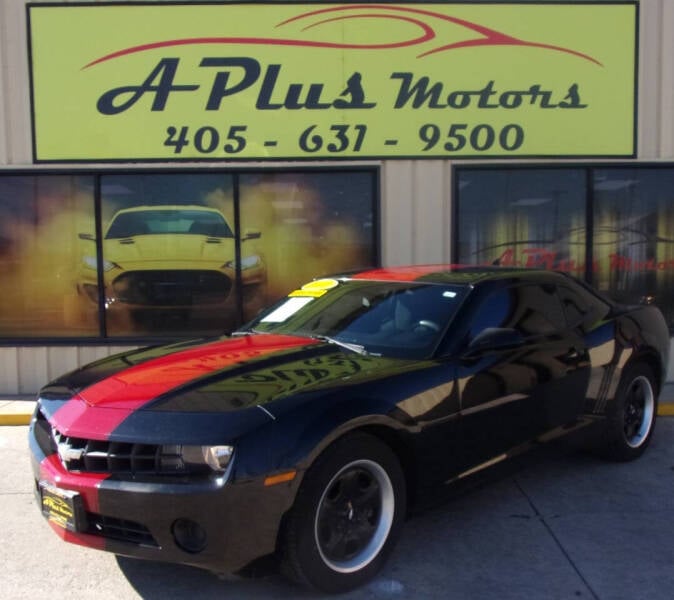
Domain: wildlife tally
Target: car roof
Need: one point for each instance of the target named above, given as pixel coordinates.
(456, 274)
(168, 207)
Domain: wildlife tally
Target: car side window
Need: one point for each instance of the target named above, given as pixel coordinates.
(495, 311)
(539, 311)
(582, 308)
(533, 310)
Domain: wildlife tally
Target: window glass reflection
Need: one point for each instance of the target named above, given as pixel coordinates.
(525, 217)
(41, 255)
(169, 255)
(307, 224)
(633, 245)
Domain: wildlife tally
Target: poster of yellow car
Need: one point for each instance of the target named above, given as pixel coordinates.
(171, 265)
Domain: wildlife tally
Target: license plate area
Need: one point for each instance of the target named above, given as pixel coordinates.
(62, 507)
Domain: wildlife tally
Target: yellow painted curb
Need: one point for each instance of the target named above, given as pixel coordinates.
(15, 419)
(666, 410)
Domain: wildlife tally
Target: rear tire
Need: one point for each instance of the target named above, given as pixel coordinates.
(347, 516)
(632, 416)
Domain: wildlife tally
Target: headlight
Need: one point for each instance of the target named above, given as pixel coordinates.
(92, 263)
(183, 458)
(217, 457)
(248, 262)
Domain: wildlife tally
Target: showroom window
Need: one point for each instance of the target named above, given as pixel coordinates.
(612, 226)
(531, 218)
(140, 255)
(633, 242)
(40, 217)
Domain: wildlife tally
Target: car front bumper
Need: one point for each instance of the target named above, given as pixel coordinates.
(228, 524)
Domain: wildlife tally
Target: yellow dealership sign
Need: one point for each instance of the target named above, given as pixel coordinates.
(118, 82)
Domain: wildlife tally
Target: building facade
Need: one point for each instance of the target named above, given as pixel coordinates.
(67, 233)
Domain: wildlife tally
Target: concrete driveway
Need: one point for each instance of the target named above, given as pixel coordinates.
(562, 525)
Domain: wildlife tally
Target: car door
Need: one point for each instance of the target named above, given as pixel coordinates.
(529, 382)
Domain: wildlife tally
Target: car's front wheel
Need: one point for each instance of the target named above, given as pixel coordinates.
(347, 516)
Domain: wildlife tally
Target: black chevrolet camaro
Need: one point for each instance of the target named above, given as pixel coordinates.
(309, 434)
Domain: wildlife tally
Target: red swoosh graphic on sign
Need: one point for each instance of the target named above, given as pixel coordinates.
(486, 36)
(427, 34)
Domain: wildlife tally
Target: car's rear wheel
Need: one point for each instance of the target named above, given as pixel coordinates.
(347, 516)
(631, 418)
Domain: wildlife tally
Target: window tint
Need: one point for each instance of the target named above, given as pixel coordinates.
(581, 307)
(522, 217)
(539, 310)
(530, 309)
(158, 221)
(397, 319)
(495, 311)
(633, 241)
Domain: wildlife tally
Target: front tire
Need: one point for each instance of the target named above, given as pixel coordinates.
(631, 419)
(347, 516)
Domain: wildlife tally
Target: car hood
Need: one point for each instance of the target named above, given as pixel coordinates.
(169, 247)
(161, 387)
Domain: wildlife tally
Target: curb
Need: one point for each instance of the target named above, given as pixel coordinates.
(16, 412)
(666, 410)
(15, 419)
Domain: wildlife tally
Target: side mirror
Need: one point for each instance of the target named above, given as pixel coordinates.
(251, 234)
(494, 338)
(87, 236)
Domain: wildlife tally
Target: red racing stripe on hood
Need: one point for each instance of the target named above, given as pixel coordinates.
(97, 410)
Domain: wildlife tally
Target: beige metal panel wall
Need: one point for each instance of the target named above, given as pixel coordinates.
(4, 115)
(416, 215)
(656, 80)
(24, 370)
(666, 68)
(15, 129)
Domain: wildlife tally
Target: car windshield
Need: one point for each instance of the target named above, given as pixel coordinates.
(168, 221)
(396, 319)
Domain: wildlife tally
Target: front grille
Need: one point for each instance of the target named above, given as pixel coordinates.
(172, 288)
(119, 529)
(94, 456)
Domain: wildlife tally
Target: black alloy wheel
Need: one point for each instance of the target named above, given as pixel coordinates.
(354, 516)
(632, 416)
(347, 515)
(639, 411)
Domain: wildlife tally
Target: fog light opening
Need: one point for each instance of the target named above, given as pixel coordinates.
(189, 535)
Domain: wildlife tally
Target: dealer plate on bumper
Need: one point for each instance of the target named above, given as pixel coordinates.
(62, 507)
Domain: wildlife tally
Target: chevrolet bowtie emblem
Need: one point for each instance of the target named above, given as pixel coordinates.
(67, 453)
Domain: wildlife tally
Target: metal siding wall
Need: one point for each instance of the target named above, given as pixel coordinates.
(416, 200)
(666, 87)
(15, 148)
(416, 195)
(4, 89)
(24, 370)
(656, 80)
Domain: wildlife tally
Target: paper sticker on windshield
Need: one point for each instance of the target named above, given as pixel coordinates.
(286, 310)
(315, 289)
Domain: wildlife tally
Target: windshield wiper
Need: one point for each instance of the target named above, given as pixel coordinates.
(242, 332)
(330, 340)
